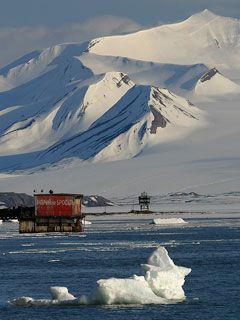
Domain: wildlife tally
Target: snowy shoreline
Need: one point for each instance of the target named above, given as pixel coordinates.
(163, 214)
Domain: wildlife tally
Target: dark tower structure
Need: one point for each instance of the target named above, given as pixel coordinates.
(144, 201)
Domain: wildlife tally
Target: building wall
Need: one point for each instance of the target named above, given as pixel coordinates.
(26, 226)
(57, 205)
(50, 224)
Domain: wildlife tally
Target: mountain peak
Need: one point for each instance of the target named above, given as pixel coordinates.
(118, 78)
(205, 15)
(214, 84)
(209, 75)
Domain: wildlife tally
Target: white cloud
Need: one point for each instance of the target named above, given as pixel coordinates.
(16, 41)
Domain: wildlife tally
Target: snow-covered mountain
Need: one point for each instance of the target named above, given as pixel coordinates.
(203, 38)
(213, 84)
(105, 117)
(119, 97)
(180, 79)
(64, 102)
(139, 117)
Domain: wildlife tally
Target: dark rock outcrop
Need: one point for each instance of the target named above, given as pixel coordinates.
(12, 199)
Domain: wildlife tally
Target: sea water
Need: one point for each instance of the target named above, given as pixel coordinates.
(116, 247)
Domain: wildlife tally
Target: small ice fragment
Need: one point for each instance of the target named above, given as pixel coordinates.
(22, 301)
(168, 221)
(87, 222)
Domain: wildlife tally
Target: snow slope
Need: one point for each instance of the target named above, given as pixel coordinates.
(204, 161)
(178, 78)
(62, 90)
(39, 104)
(37, 63)
(127, 117)
(53, 110)
(49, 96)
(203, 38)
(213, 84)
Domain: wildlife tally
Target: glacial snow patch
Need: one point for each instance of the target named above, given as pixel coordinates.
(161, 282)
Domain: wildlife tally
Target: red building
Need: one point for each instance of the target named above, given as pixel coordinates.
(60, 212)
(57, 205)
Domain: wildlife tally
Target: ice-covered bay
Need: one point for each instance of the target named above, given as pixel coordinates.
(116, 246)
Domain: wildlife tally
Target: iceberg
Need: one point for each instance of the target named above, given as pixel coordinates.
(160, 282)
(168, 221)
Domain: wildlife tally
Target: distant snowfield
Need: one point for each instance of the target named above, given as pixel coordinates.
(72, 112)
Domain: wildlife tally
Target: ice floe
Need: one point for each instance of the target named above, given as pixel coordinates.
(160, 282)
(168, 221)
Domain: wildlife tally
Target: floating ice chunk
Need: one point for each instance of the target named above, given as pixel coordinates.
(164, 277)
(87, 222)
(160, 283)
(160, 221)
(160, 258)
(125, 291)
(22, 301)
(28, 301)
(61, 294)
(27, 244)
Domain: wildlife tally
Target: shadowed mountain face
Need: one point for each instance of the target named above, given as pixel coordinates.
(70, 112)
(209, 75)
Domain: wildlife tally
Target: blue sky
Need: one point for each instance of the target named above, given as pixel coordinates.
(146, 12)
(26, 25)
